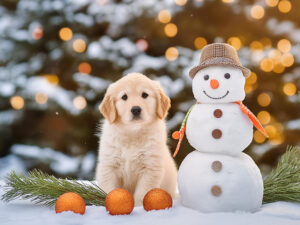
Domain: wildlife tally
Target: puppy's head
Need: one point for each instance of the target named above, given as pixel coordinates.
(134, 99)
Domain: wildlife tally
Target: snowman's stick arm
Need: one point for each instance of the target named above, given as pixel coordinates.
(178, 135)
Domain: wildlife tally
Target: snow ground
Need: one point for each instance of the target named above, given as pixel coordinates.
(24, 212)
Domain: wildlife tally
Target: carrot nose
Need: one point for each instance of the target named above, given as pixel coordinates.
(214, 84)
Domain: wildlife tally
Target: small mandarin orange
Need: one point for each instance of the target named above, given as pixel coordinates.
(70, 202)
(119, 202)
(157, 199)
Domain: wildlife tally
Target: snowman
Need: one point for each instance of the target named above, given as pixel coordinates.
(218, 176)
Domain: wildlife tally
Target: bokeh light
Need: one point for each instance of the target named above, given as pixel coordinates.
(258, 137)
(37, 33)
(264, 117)
(79, 102)
(51, 78)
(79, 45)
(164, 16)
(284, 45)
(252, 78)
(287, 60)
(289, 89)
(171, 54)
(264, 99)
(171, 30)
(200, 42)
(142, 44)
(65, 34)
(266, 65)
(235, 42)
(41, 98)
(284, 6)
(228, 1)
(257, 12)
(272, 3)
(84, 68)
(17, 102)
(180, 2)
(256, 45)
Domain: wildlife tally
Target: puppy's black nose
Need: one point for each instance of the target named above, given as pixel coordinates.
(136, 110)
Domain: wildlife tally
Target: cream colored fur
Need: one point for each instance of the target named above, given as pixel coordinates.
(133, 154)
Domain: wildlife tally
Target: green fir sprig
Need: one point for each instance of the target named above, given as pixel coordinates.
(283, 183)
(44, 189)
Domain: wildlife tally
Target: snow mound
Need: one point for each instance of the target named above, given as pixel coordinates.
(23, 212)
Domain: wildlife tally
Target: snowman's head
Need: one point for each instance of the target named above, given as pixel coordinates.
(219, 84)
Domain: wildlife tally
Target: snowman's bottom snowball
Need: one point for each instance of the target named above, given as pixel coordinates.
(239, 180)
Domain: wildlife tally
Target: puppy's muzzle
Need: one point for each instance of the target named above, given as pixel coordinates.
(136, 111)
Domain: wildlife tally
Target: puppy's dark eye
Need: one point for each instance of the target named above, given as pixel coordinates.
(124, 97)
(227, 75)
(206, 77)
(144, 95)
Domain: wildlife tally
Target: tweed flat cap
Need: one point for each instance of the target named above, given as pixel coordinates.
(219, 54)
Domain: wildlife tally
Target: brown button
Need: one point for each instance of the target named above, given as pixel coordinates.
(216, 190)
(216, 133)
(218, 113)
(216, 166)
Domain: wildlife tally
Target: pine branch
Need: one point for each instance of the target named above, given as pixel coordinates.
(44, 189)
(283, 184)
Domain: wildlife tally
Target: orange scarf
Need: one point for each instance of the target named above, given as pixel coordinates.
(178, 135)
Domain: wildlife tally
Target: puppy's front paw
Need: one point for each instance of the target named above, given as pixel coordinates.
(138, 199)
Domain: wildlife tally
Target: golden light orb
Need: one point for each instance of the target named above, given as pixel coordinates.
(287, 60)
(52, 78)
(264, 117)
(252, 78)
(271, 3)
(266, 65)
(79, 45)
(79, 102)
(171, 54)
(228, 1)
(271, 130)
(84, 68)
(264, 99)
(171, 30)
(278, 68)
(164, 16)
(258, 137)
(284, 45)
(256, 45)
(180, 2)
(284, 6)
(200, 42)
(257, 12)
(289, 89)
(17, 102)
(248, 88)
(65, 34)
(41, 98)
(235, 42)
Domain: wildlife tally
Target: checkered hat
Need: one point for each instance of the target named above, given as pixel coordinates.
(219, 54)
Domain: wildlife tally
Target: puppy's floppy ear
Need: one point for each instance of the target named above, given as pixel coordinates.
(108, 108)
(163, 104)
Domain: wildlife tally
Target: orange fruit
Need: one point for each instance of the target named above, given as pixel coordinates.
(70, 202)
(119, 202)
(157, 199)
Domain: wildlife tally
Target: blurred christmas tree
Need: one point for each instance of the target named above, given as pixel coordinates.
(57, 58)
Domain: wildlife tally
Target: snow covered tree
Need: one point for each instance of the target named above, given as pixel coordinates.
(58, 57)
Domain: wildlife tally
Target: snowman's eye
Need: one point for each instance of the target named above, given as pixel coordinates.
(227, 75)
(206, 77)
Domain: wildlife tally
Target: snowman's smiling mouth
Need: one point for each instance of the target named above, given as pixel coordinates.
(216, 97)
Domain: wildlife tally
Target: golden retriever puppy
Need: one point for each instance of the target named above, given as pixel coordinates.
(133, 153)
